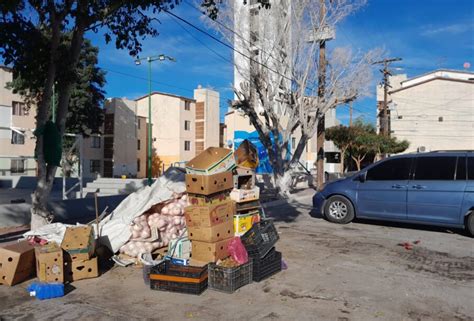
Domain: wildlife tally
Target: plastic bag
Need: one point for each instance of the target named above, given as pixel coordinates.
(237, 251)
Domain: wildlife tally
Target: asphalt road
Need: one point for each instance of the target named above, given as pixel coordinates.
(335, 272)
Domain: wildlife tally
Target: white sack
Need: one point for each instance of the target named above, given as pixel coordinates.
(115, 228)
(51, 232)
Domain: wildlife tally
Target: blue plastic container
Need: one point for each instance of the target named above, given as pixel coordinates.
(44, 291)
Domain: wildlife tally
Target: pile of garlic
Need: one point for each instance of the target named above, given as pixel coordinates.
(157, 227)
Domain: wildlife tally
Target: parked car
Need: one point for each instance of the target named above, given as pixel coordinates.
(435, 188)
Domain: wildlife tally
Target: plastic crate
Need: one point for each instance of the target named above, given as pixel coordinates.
(261, 238)
(229, 279)
(266, 266)
(178, 278)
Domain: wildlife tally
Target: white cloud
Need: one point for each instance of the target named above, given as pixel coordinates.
(455, 28)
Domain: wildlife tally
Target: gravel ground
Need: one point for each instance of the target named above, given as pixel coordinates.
(335, 272)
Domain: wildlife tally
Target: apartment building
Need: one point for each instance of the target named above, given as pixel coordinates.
(17, 123)
(434, 111)
(173, 127)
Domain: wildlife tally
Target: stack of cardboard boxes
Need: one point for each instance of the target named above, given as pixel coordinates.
(79, 249)
(209, 218)
(245, 193)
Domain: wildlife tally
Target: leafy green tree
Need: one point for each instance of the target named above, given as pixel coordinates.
(48, 36)
(360, 141)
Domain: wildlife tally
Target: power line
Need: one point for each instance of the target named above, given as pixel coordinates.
(158, 82)
(233, 31)
(201, 42)
(228, 46)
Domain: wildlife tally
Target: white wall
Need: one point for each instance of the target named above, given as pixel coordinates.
(416, 112)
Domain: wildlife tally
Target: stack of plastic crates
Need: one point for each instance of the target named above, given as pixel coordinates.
(178, 278)
(229, 279)
(259, 242)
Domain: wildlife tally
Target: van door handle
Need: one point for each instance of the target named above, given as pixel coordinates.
(419, 187)
(398, 186)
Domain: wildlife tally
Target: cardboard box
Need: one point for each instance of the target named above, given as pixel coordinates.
(79, 243)
(206, 200)
(210, 252)
(17, 263)
(243, 207)
(49, 263)
(80, 270)
(212, 160)
(212, 234)
(245, 195)
(210, 184)
(244, 181)
(210, 215)
(246, 155)
(243, 223)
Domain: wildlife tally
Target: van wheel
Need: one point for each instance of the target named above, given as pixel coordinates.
(339, 209)
(470, 224)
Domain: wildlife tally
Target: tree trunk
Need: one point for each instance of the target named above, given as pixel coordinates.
(40, 215)
(39, 212)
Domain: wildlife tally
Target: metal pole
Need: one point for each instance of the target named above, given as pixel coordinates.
(149, 122)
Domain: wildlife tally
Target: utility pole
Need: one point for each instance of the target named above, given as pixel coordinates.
(386, 73)
(321, 88)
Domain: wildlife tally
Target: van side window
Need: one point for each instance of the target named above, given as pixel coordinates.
(435, 168)
(390, 170)
(461, 169)
(470, 168)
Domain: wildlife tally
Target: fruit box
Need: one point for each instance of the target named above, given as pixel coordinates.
(49, 263)
(209, 184)
(79, 270)
(206, 200)
(244, 222)
(210, 252)
(214, 233)
(211, 161)
(210, 215)
(79, 243)
(245, 195)
(17, 263)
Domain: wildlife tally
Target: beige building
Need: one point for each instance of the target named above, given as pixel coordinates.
(17, 123)
(434, 111)
(173, 126)
(207, 118)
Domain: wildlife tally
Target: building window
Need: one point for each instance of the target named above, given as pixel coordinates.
(95, 142)
(17, 138)
(139, 123)
(293, 143)
(187, 125)
(187, 105)
(18, 108)
(95, 166)
(440, 119)
(17, 166)
(138, 165)
(187, 145)
(138, 144)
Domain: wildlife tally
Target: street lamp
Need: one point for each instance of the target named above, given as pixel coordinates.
(138, 62)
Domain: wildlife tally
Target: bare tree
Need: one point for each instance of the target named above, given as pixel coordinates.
(278, 64)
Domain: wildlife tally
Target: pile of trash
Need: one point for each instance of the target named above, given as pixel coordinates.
(201, 228)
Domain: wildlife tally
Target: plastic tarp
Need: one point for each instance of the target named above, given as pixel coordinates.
(115, 228)
(51, 232)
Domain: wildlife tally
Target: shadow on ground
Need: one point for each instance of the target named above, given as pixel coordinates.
(410, 226)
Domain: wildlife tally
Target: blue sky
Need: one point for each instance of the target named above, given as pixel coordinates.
(427, 34)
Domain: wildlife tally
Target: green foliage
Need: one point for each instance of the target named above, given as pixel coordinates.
(361, 141)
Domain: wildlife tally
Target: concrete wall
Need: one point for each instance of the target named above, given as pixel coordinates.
(417, 110)
(125, 136)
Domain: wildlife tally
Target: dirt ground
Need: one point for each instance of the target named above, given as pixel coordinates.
(351, 272)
